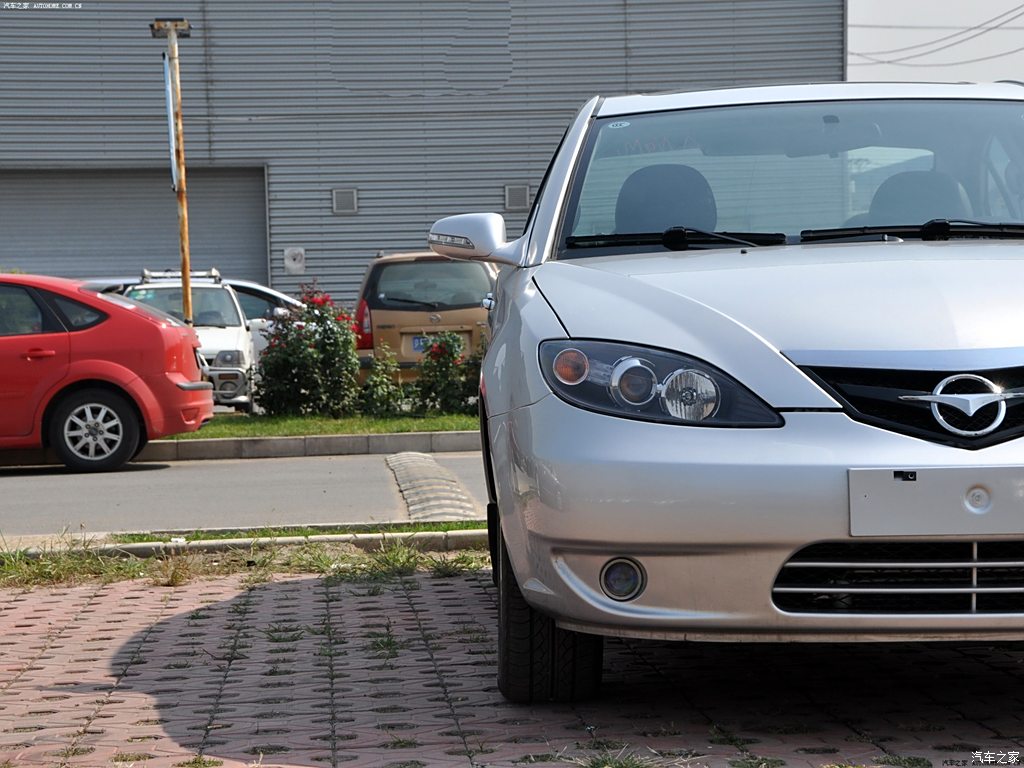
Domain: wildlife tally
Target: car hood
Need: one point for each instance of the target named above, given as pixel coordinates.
(934, 305)
(212, 340)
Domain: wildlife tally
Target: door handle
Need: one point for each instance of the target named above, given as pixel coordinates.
(36, 353)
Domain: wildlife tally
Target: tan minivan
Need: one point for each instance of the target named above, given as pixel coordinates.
(407, 297)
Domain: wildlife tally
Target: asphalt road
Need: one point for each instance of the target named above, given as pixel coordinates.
(214, 494)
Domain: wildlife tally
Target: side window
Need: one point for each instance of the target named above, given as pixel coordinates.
(255, 307)
(20, 315)
(79, 316)
(1001, 203)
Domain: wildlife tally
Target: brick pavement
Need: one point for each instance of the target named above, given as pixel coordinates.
(310, 672)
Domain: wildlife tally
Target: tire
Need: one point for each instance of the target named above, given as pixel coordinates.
(538, 661)
(94, 430)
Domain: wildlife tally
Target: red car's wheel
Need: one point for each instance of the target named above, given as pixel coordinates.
(94, 431)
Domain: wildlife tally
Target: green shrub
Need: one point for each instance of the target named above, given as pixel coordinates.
(310, 365)
(382, 394)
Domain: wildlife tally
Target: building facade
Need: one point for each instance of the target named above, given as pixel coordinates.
(335, 127)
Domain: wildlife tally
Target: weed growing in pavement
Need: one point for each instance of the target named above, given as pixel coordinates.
(384, 644)
(621, 759)
(173, 570)
(72, 562)
(398, 742)
(131, 757)
(545, 757)
(199, 761)
(395, 558)
(756, 761)
(443, 566)
(283, 633)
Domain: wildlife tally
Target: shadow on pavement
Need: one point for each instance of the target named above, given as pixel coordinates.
(310, 672)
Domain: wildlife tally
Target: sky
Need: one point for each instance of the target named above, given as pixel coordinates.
(935, 40)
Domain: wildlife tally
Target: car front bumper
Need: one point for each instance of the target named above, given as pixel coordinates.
(230, 386)
(713, 515)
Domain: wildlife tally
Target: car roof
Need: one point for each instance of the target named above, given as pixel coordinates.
(780, 94)
(409, 256)
(263, 289)
(40, 281)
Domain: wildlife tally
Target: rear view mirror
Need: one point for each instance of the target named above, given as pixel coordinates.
(470, 236)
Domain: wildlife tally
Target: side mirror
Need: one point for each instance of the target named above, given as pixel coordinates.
(279, 313)
(475, 236)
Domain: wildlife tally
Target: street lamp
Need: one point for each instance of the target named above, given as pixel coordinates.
(172, 29)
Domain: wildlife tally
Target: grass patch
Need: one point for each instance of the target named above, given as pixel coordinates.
(393, 559)
(620, 760)
(241, 425)
(449, 564)
(200, 762)
(75, 563)
(278, 532)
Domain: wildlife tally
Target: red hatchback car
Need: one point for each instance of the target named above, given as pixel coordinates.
(94, 376)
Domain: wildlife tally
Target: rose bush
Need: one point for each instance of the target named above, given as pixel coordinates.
(310, 365)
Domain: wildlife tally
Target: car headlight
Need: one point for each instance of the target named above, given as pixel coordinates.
(229, 358)
(649, 384)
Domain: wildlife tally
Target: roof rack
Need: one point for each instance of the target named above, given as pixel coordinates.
(149, 276)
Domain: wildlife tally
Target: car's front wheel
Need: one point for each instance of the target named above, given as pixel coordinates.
(538, 661)
(94, 431)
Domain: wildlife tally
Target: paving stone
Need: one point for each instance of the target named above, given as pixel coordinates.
(307, 672)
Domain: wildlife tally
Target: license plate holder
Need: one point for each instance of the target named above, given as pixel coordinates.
(946, 501)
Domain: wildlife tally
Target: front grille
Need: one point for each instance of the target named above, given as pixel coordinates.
(872, 395)
(903, 578)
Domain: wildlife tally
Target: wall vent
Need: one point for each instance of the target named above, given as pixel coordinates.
(345, 201)
(517, 197)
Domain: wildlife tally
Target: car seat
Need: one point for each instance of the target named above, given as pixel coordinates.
(659, 197)
(914, 197)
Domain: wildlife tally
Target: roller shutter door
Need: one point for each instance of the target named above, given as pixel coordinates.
(115, 222)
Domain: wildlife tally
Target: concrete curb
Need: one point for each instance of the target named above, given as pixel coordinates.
(278, 447)
(427, 541)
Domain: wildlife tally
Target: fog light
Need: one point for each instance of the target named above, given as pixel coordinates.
(622, 579)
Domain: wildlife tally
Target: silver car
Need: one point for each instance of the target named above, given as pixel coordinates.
(757, 373)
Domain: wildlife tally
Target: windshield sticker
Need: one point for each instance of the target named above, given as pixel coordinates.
(621, 124)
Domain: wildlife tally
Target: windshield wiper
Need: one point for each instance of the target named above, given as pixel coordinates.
(417, 302)
(677, 239)
(935, 229)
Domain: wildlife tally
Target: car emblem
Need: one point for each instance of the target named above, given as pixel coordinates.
(435, 319)
(968, 404)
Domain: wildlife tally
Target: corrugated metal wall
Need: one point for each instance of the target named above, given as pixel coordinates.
(103, 223)
(427, 107)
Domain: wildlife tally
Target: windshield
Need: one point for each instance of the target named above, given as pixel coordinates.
(429, 283)
(211, 306)
(787, 168)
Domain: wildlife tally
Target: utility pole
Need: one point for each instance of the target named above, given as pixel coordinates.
(172, 29)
